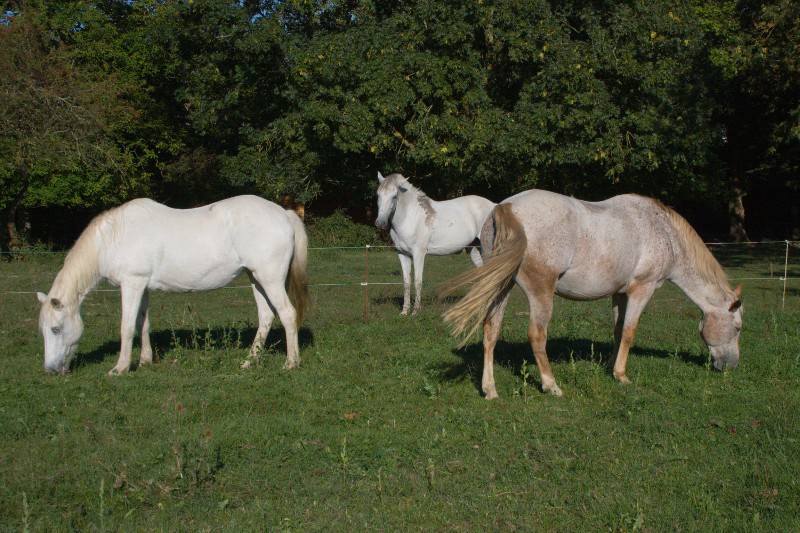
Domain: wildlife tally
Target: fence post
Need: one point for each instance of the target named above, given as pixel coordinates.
(366, 283)
(785, 275)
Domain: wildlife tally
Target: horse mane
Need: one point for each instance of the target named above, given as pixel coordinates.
(396, 177)
(81, 270)
(696, 250)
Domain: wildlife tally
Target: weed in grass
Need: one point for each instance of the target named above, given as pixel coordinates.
(343, 454)
(430, 471)
(102, 512)
(430, 388)
(26, 514)
(525, 377)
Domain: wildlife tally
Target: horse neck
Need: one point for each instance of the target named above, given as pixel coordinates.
(80, 273)
(695, 270)
(705, 291)
(407, 206)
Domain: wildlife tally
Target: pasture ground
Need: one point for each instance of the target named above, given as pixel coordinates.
(384, 427)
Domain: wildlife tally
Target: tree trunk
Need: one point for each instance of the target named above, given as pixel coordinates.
(12, 239)
(736, 215)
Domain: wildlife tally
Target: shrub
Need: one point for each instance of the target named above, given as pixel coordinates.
(339, 229)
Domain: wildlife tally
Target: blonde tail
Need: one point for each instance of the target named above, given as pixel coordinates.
(490, 280)
(297, 281)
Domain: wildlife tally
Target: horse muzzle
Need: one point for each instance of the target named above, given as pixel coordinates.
(56, 369)
(731, 361)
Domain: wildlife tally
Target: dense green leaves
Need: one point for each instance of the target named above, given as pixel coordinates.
(193, 100)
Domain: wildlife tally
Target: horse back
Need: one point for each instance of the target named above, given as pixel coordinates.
(595, 248)
(198, 248)
(457, 223)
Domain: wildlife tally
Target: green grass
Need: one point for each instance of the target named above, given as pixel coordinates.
(384, 427)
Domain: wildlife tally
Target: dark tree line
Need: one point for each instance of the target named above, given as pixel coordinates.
(694, 102)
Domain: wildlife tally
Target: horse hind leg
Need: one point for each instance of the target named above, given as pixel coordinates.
(475, 255)
(265, 317)
(143, 326)
(539, 288)
(419, 268)
(276, 294)
(405, 266)
(491, 331)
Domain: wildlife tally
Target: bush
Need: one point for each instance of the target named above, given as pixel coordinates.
(339, 229)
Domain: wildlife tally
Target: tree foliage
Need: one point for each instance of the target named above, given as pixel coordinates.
(193, 100)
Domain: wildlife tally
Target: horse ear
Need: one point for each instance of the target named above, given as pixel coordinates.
(403, 184)
(738, 303)
(381, 179)
(738, 291)
(56, 303)
(42, 297)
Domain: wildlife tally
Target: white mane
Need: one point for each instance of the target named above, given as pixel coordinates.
(81, 272)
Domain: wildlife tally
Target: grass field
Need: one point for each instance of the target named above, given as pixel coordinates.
(384, 427)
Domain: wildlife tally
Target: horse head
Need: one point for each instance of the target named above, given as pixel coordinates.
(61, 327)
(388, 189)
(720, 328)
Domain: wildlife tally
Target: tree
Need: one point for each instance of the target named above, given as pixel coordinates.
(754, 48)
(583, 99)
(54, 124)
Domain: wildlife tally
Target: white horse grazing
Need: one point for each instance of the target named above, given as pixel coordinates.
(624, 247)
(422, 226)
(143, 245)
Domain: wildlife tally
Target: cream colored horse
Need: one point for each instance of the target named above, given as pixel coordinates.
(624, 247)
(420, 226)
(143, 245)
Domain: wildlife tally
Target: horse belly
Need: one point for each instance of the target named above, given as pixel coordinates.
(194, 271)
(587, 285)
(449, 238)
(595, 281)
(193, 282)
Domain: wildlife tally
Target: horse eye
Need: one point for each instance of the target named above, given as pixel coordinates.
(56, 330)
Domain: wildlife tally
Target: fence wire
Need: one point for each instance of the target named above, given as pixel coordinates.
(775, 263)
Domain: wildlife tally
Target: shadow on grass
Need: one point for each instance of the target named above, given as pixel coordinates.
(164, 341)
(561, 349)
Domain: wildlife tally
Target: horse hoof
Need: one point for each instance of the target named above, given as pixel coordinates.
(246, 364)
(291, 366)
(491, 395)
(555, 391)
(114, 372)
(622, 378)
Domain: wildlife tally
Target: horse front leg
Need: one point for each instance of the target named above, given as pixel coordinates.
(627, 310)
(131, 301)
(405, 266)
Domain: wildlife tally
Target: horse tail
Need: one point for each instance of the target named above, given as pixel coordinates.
(490, 281)
(297, 281)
